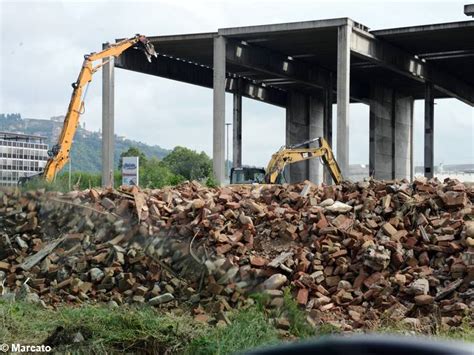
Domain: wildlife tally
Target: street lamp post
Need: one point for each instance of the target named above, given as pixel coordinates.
(227, 157)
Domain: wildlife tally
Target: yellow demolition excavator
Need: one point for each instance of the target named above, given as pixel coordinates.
(59, 153)
(288, 155)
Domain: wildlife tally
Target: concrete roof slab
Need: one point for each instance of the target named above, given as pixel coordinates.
(449, 47)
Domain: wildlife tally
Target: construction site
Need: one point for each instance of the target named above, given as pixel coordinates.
(307, 250)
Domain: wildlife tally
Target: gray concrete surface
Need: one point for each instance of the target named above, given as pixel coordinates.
(108, 118)
(429, 131)
(297, 131)
(343, 96)
(316, 129)
(237, 131)
(218, 127)
(390, 137)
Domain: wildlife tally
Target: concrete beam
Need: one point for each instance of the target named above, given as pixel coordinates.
(273, 63)
(367, 46)
(413, 30)
(283, 27)
(108, 122)
(218, 127)
(286, 71)
(429, 131)
(343, 96)
(256, 91)
(193, 73)
(237, 132)
(469, 10)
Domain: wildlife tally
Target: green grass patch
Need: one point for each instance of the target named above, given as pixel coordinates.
(249, 328)
(104, 329)
(145, 329)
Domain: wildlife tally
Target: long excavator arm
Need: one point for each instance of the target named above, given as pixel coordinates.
(59, 153)
(293, 154)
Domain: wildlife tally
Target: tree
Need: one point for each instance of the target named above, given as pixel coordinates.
(133, 152)
(188, 163)
(154, 174)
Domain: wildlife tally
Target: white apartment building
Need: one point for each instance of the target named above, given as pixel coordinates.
(21, 155)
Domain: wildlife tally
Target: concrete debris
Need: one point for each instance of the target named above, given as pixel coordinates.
(369, 250)
(275, 282)
(339, 207)
(167, 297)
(420, 287)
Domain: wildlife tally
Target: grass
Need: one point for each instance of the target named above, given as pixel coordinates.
(464, 332)
(147, 330)
(249, 329)
(105, 329)
(137, 329)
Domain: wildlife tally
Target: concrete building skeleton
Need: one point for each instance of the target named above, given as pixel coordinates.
(306, 67)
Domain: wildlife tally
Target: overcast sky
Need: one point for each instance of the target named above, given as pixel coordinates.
(43, 42)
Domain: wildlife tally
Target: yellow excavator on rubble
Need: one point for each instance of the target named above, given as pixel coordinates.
(59, 153)
(288, 155)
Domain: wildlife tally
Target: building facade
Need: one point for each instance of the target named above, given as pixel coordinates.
(21, 155)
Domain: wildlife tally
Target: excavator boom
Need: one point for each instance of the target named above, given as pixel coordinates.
(295, 153)
(59, 153)
(288, 155)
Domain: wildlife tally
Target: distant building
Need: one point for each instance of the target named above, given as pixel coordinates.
(58, 118)
(21, 155)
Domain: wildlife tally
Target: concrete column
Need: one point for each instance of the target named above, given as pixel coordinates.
(316, 110)
(381, 130)
(429, 131)
(218, 151)
(108, 122)
(343, 96)
(297, 131)
(304, 120)
(237, 132)
(328, 96)
(390, 148)
(403, 142)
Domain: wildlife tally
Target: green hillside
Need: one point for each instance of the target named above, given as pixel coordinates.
(87, 147)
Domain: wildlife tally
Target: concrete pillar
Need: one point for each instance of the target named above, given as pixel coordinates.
(237, 132)
(390, 147)
(429, 131)
(297, 131)
(218, 151)
(316, 129)
(108, 122)
(343, 96)
(381, 130)
(328, 96)
(304, 120)
(403, 143)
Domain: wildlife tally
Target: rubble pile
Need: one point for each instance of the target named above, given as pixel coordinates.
(352, 254)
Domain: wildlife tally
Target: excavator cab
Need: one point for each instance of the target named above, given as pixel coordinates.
(247, 175)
